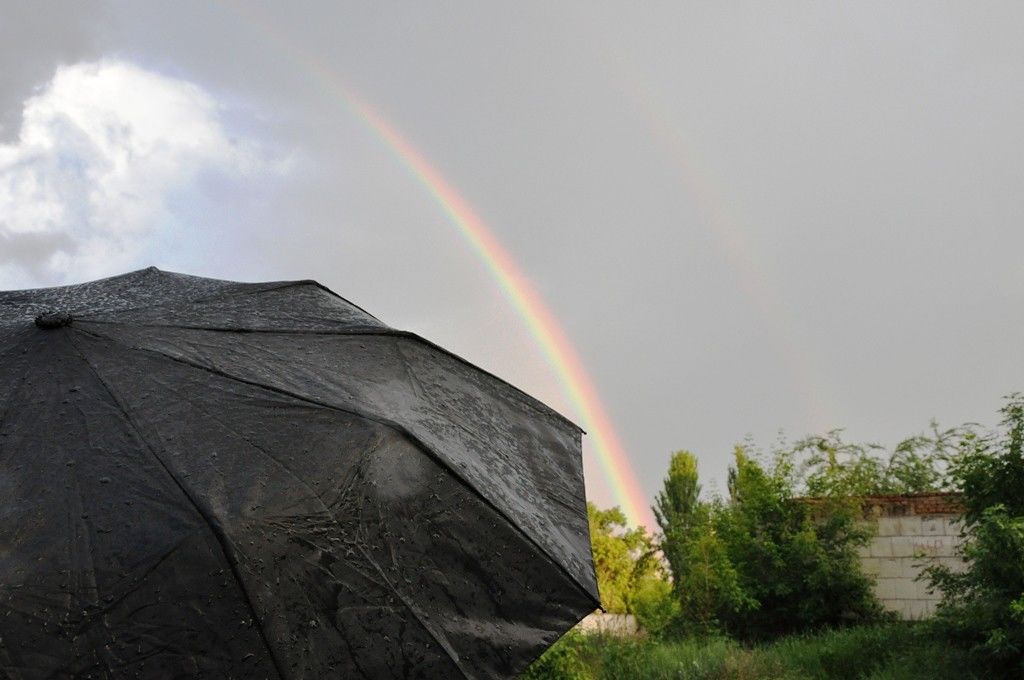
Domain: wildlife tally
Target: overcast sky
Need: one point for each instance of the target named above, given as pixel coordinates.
(747, 220)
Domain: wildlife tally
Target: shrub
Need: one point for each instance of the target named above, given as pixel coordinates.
(655, 606)
(705, 582)
(624, 559)
(760, 564)
(800, 569)
(983, 607)
(561, 661)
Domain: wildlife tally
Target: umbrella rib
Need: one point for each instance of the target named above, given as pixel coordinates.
(371, 331)
(439, 639)
(222, 540)
(233, 293)
(383, 421)
(291, 473)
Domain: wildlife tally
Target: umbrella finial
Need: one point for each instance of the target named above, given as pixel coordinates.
(51, 320)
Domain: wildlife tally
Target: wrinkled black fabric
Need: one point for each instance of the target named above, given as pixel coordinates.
(202, 478)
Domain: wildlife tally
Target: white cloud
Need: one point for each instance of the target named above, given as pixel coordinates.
(104, 152)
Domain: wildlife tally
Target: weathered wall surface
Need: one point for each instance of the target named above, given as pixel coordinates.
(913, 532)
(621, 625)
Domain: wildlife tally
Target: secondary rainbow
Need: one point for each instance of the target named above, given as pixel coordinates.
(540, 321)
(749, 266)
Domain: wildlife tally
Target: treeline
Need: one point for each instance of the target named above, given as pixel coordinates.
(759, 561)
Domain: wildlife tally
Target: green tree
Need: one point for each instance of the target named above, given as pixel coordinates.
(798, 562)
(563, 660)
(624, 558)
(983, 606)
(704, 581)
(828, 466)
(677, 503)
(709, 590)
(832, 467)
(654, 604)
(678, 511)
(920, 464)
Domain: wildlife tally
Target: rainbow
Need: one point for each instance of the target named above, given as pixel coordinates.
(541, 322)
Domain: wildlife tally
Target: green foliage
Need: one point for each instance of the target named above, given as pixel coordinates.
(677, 506)
(676, 510)
(705, 582)
(625, 559)
(761, 564)
(880, 652)
(709, 589)
(561, 661)
(831, 467)
(919, 464)
(770, 569)
(983, 607)
(797, 563)
(895, 651)
(655, 606)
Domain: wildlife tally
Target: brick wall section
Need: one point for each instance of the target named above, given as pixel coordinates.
(914, 504)
(913, 531)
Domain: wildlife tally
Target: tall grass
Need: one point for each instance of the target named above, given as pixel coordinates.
(882, 652)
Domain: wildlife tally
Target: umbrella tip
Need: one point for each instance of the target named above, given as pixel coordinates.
(51, 320)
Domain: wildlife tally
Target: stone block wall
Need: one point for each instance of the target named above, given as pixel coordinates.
(913, 531)
(619, 625)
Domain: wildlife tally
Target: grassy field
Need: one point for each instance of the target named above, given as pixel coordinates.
(884, 652)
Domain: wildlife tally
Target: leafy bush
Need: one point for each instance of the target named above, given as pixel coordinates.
(983, 607)
(797, 563)
(625, 559)
(561, 661)
(706, 584)
(655, 606)
(761, 564)
(827, 466)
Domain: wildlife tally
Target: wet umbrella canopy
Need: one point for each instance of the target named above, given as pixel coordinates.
(201, 478)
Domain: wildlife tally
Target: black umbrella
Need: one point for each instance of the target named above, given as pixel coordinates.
(201, 478)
